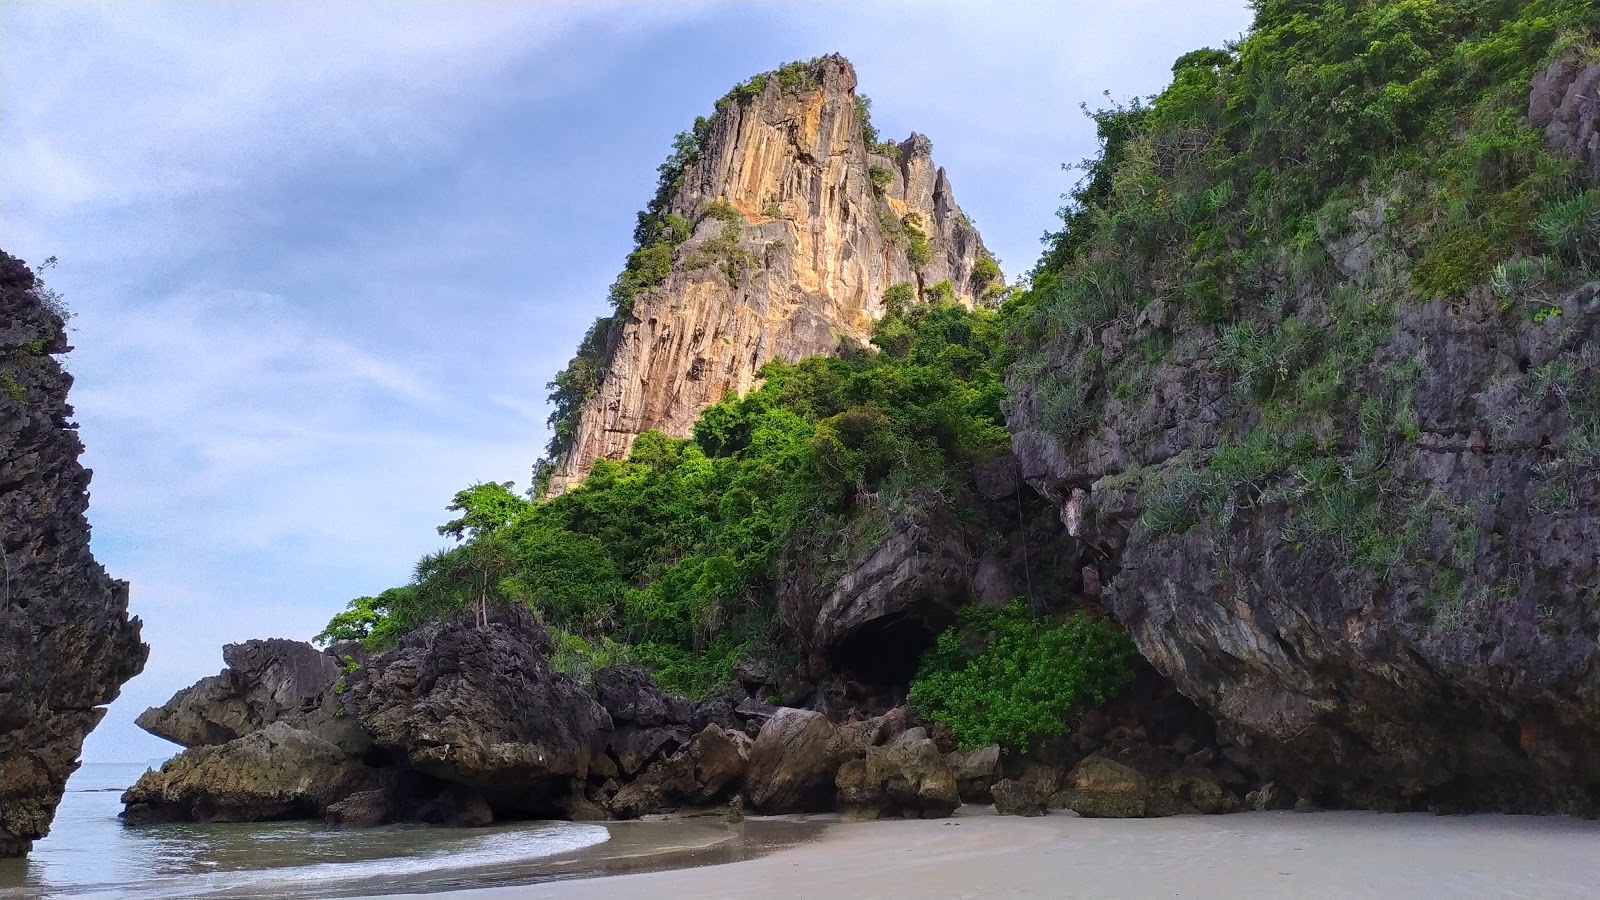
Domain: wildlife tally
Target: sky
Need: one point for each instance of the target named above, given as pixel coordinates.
(325, 257)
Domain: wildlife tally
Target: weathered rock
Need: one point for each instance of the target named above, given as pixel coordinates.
(708, 769)
(1197, 790)
(975, 772)
(915, 577)
(363, 809)
(278, 772)
(633, 747)
(1564, 100)
(1466, 675)
(860, 735)
(66, 642)
(479, 706)
(1017, 798)
(793, 763)
(796, 168)
(1101, 789)
(265, 681)
(629, 694)
(719, 709)
(906, 777)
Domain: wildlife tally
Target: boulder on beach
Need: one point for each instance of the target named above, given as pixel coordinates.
(1017, 798)
(793, 763)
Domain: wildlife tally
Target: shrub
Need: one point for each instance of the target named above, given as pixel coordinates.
(1571, 228)
(1027, 679)
(880, 176)
(985, 270)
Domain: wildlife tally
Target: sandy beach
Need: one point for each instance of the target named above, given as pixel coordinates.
(1328, 854)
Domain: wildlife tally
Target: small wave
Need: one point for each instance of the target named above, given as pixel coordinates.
(291, 881)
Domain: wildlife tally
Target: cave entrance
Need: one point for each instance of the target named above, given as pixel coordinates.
(888, 651)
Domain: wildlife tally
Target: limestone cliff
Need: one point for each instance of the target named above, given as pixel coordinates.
(66, 642)
(817, 225)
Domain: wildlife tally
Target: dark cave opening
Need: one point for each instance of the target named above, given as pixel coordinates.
(887, 652)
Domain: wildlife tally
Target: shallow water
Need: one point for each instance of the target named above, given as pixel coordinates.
(90, 854)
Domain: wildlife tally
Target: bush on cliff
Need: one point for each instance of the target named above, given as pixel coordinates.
(673, 554)
(1002, 676)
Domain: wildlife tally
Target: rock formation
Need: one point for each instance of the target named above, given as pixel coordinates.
(67, 644)
(820, 240)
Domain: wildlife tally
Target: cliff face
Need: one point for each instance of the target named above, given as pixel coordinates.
(66, 642)
(800, 270)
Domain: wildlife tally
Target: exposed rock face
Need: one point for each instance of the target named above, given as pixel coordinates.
(278, 772)
(708, 769)
(1565, 102)
(265, 681)
(67, 644)
(796, 168)
(1396, 688)
(906, 777)
(793, 763)
(975, 772)
(480, 707)
(921, 570)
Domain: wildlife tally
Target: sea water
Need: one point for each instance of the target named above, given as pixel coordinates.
(90, 854)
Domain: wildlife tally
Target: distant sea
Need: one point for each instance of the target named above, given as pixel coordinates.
(90, 854)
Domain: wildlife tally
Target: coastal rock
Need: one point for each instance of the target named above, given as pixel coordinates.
(279, 772)
(1017, 798)
(823, 243)
(480, 707)
(906, 777)
(67, 644)
(363, 809)
(911, 581)
(707, 770)
(975, 772)
(629, 694)
(793, 763)
(1102, 789)
(265, 681)
(1564, 100)
(633, 747)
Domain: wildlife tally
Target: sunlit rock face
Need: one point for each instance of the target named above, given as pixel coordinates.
(823, 247)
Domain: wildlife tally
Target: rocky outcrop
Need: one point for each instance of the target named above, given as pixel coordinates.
(1565, 103)
(706, 771)
(1099, 788)
(793, 763)
(277, 772)
(67, 644)
(820, 242)
(1017, 798)
(1461, 672)
(265, 681)
(907, 777)
(480, 707)
(975, 772)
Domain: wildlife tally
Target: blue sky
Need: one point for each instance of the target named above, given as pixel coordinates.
(325, 256)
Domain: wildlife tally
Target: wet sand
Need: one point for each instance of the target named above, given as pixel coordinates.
(978, 854)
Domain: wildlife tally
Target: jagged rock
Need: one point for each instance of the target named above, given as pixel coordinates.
(796, 168)
(793, 763)
(265, 681)
(751, 708)
(708, 769)
(633, 747)
(363, 809)
(1102, 789)
(1017, 798)
(719, 709)
(858, 736)
(66, 642)
(479, 706)
(1465, 675)
(906, 777)
(1564, 100)
(1197, 790)
(975, 772)
(919, 573)
(1270, 796)
(278, 772)
(629, 694)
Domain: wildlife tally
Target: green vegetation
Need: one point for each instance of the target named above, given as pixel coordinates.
(671, 557)
(1222, 219)
(1002, 676)
(985, 271)
(13, 388)
(881, 177)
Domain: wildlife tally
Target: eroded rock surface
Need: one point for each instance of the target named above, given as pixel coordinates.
(793, 763)
(795, 167)
(481, 707)
(67, 644)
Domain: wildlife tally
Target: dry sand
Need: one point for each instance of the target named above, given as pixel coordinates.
(978, 854)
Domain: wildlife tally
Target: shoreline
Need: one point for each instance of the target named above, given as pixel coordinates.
(1265, 854)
